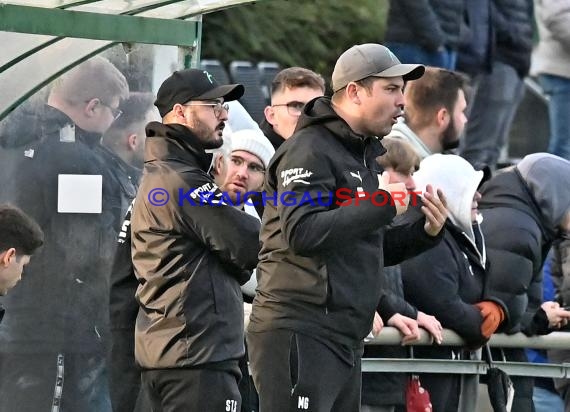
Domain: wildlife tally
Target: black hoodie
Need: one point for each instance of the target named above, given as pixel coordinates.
(321, 263)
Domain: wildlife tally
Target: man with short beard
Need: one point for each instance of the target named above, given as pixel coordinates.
(191, 252)
(435, 112)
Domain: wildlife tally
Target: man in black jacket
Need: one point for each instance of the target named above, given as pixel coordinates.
(191, 252)
(525, 209)
(320, 264)
(426, 32)
(53, 337)
(291, 89)
(123, 146)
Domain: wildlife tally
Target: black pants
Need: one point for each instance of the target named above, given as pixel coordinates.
(62, 382)
(192, 390)
(294, 372)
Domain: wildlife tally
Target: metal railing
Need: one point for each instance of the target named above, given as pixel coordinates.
(391, 336)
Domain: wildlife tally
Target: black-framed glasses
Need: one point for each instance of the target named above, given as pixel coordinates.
(115, 112)
(217, 106)
(294, 108)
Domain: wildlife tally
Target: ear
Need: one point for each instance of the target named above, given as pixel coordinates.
(132, 142)
(218, 165)
(442, 117)
(269, 113)
(178, 110)
(352, 92)
(7, 256)
(90, 107)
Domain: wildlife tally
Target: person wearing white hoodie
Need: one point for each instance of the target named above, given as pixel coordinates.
(448, 281)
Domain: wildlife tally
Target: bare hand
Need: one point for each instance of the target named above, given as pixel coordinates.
(435, 211)
(432, 325)
(557, 316)
(407, 326)
(377, 325)
(397, 191)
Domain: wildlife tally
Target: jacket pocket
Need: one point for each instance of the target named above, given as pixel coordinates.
(225, 289)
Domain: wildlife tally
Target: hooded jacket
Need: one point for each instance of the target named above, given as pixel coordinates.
(522, 209)
(62, 304)
(402, 131)
(190, 259)
(321, 264)
(447, 280)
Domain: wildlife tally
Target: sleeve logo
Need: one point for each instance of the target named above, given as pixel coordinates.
(297, 175)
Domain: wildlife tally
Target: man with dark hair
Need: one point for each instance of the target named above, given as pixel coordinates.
(291, 89)
(321, 263)
(20, 236)
(123, 147)
(53, 341)
(126, 135)
(434, 118)
(190, 256)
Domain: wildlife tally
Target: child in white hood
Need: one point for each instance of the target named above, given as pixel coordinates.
(448, 281)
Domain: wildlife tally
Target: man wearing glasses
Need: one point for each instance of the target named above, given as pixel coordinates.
(52, 338)
(190, 259)
(291, 89)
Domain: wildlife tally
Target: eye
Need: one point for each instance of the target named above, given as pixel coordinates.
(256, 168)
(237, 161)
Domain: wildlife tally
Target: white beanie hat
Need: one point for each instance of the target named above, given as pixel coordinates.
(252, 141)
(458, 181)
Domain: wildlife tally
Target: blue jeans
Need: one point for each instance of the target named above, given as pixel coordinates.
(558, 90)
(413, 54)
(546, 401)
(496, 99)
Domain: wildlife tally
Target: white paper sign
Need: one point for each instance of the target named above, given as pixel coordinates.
(80, 193)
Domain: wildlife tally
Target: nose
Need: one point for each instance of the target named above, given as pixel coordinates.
(242, 172)
(410, 183)
(400, 101)
(223, 115)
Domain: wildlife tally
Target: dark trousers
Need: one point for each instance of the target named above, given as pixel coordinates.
(294, 372)
(59, 382)
(192, 390)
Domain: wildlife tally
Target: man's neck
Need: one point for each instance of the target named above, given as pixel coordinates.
(430, 136)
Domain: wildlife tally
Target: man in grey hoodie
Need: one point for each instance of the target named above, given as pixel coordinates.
(434, 116)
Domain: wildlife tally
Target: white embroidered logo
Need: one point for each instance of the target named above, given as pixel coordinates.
(296, 175)
(209, 76)
(207, 193)
(356, 175)
(303, 402)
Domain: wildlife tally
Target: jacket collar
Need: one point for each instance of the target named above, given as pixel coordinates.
(275, 138)
(320, 111)
(174, 142)
(56, 120)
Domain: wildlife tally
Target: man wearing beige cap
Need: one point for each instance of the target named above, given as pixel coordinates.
(320, 262)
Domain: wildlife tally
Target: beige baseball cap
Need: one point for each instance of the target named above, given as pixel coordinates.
(371, 59)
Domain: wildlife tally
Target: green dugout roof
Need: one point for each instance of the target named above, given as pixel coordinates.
(41, 39)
